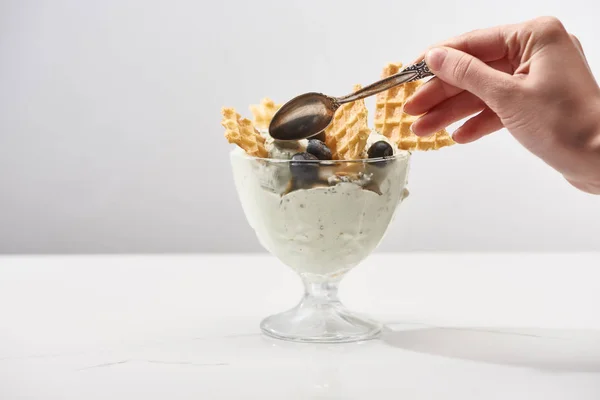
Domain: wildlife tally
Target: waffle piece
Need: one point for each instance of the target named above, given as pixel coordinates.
(392, 122)
(347, 135)
(263, 112)
(240, 131)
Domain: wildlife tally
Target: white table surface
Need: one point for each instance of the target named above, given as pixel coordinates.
(467, 326)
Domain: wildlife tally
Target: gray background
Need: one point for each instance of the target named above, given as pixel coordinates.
(110, 136)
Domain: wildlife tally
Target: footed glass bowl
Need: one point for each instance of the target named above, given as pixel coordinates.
(320, 218)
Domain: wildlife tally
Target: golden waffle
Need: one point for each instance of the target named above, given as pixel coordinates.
(392, 122)
(263, 113)
(347, 135)
(240, 131)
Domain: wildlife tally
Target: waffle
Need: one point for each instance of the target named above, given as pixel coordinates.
(347, 135)
(240, 131)
(392, 122)
(263, 112)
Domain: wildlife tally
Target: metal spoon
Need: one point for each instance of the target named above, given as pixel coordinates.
(310, 113)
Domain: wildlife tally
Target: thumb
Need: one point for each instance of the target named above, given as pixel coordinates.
(466, 72)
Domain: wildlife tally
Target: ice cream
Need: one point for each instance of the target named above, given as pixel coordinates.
(325, 229)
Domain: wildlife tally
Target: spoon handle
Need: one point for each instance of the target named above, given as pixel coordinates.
(411, 73)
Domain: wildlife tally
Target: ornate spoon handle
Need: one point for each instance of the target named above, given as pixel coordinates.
(409, 74)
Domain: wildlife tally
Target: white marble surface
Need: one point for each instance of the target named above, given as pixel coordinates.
(471, 326)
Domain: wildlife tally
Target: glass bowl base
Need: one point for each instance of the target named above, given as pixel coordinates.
(320, 323)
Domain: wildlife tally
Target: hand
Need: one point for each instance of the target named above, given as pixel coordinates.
(531, 78)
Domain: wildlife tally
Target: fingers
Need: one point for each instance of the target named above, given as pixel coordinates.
(482, 124)
(429, 95)
(464, 71)
(502, 41)
(436, 91)
(452, 110)
(486, 44)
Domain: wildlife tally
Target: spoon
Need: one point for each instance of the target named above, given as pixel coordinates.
(310, 113)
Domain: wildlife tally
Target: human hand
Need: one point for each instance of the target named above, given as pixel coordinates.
(531, 78)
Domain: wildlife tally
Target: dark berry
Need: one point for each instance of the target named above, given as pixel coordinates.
(318, 149)
(380, 149)
(305, 167)
(320, 136)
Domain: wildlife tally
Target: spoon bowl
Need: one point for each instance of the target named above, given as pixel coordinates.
(303, 116)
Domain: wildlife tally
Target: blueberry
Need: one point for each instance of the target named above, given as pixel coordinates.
(303, 169)
(380, 149)
(320, 136)
(318, 149)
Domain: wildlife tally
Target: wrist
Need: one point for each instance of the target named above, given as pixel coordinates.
(586, 155)
(591, 188)
(595, 152)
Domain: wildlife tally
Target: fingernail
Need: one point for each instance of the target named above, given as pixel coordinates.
(455, 134)
(407, 105)
(435, 58)
(416, 125)
(411, 127)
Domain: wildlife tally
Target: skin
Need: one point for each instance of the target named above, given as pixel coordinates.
(532, 79)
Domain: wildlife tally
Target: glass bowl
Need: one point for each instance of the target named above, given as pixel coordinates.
(320, 218)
